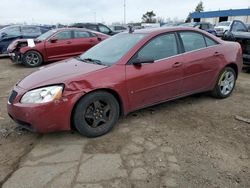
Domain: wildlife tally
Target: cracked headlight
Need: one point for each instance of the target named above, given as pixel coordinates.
(42, 95)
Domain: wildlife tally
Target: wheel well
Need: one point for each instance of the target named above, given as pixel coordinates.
(114, 93)
(36, 52)
(234, 67)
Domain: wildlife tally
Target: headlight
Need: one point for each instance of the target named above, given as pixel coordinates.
(42, 95)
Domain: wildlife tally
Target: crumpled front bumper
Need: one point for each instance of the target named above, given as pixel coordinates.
(16, 57)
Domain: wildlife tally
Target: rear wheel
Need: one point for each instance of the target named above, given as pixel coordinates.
(96, 114)
(32, 59)
(225, 83)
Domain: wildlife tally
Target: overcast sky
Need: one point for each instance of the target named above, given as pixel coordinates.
(108, 11)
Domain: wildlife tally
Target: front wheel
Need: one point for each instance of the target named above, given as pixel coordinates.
(225, 83)
(96, 114)
(32, 59)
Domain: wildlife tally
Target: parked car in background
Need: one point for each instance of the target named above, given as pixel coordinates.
(150, 25)
(127, 72)
(54, 45)
(95, 27)
(2, 26)
(172, 24)
(239, 32)
(222, 27)
(206, 26)
(248, 27)
(11, 33)
(118, 28)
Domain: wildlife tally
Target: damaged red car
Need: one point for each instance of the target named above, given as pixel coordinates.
(54, 45)
(128, 71)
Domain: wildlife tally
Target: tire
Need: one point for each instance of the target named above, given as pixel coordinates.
(225, 83)
(32, 59)
(96, 114)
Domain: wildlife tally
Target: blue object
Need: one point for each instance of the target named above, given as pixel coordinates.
(11, 33)
(221, 13)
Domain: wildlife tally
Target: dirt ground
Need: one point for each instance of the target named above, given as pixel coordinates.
(206, 145)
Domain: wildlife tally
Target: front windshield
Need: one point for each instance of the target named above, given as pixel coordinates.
(224, 23)
(113, 49)
(46, 35)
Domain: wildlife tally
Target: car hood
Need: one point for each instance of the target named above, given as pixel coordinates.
(13, 45)
(58, 73)
(221, 27)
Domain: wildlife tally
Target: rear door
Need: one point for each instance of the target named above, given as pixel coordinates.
(201, 60)
(154, 82)
(62, 47)
(83, 40)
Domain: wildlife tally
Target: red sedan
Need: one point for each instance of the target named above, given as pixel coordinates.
(54, 45)
(126, 72)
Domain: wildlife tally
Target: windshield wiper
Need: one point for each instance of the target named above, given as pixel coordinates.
(96, 61)
(90, 60)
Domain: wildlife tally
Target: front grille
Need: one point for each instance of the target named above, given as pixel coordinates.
(12, 96)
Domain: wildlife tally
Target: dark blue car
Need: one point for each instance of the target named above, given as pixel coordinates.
(11, 33)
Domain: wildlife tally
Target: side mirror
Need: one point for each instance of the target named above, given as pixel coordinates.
(99, 38)
(138, 62)
(53, 40)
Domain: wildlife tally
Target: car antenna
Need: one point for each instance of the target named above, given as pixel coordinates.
(131, 29)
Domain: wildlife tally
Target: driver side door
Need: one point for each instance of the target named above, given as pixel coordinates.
(152, 83)
(62, 47)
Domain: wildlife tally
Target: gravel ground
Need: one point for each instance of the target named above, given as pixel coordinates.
(191, 142)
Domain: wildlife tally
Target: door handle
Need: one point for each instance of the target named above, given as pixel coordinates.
(177, 64)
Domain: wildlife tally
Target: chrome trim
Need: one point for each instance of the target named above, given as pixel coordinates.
(187, 52)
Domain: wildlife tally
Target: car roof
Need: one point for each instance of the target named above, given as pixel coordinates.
(87, 23)
(162, 30)
(165, 29)
(76, 28)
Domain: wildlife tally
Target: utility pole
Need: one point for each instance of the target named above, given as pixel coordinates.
(124, 11)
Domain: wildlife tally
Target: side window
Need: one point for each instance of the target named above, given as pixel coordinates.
(82, 34)
(92, 27)
(12, 31)
(204, 26)
(192, 41)
(63, 35)
(104, 29)
(211, 26)
(158, 48)
(238, 26)
(31, 31)
(210, 42)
